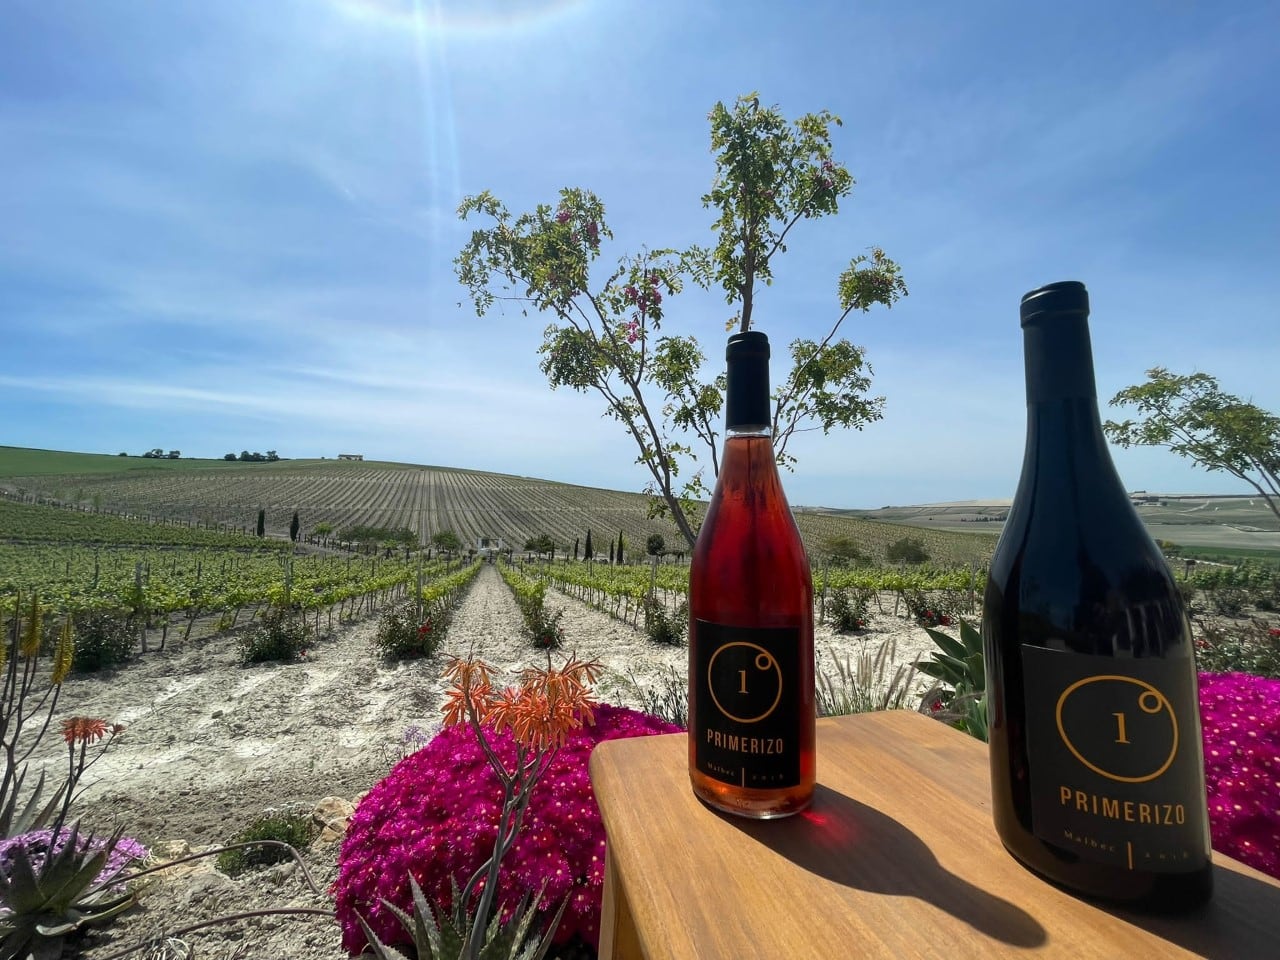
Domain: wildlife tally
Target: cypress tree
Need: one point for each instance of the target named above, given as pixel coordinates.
(294, 526)
(575, 548)
(588, 552)
(611, 553)
(262, 522)
(619, 546)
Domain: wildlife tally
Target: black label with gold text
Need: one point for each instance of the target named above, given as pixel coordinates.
(1115, 765)
(747, 728)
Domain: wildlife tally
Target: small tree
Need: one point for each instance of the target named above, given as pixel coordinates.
(620, 546)
(608, 336)
(575, 548)
(294, 526)
(844, 551)
(229, 456)
(262, 522)
(908, 549)
(611, 551)
(655, 545)
(541, 544)
(589, 551)
(1194, 418)
(322, 530)
(447, 541)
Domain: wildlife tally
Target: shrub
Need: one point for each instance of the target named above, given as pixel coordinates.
(544, 629)
(405, 633)
(102, 640)
(1243, 649)
(929, 613)
(435, 816)
(1229, 601)
(664, 626)
(908, 550)
(296, 828)
(1244, 817)
(279, 634)
(847, 610)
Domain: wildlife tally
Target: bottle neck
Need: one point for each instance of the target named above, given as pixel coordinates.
(1059, 359)
(747, 396)
(1066, 447)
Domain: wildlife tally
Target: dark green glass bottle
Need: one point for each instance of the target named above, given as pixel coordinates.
(1097, 769)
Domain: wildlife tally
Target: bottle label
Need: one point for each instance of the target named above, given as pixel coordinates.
(747, 728)
(1116, 775)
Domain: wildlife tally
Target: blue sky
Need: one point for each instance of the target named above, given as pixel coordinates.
(231, 226)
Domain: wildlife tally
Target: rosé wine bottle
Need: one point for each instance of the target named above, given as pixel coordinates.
(751, 666)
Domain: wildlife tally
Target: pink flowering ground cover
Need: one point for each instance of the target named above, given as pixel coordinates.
(1240, 715)
(436, 814)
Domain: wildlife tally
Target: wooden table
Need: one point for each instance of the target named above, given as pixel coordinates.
(896, 858)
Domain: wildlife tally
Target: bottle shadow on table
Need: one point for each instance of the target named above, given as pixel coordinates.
(1240, 922)
(855, 845)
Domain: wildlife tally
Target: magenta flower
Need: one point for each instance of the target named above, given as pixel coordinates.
(436, 812)
(1241, 719)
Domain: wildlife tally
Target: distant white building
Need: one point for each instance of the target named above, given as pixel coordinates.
(489, 547)
(351, 456)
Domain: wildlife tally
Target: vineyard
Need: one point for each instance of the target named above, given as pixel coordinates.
(218, 497)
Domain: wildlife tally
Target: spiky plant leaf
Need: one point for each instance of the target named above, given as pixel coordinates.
(442, 935)
(425, 928)
(50, 895)
(380, 950)
(32, 816)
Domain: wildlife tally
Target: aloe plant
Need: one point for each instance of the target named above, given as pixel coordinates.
(440, 935)
(45, 896)
(961, 690)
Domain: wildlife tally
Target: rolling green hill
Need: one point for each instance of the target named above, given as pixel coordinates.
(423, 499)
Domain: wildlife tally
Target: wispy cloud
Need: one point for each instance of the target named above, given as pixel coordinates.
(224, 229)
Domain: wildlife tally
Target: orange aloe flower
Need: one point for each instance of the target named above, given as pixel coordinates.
(469, 688)
(84, 729)
(539, 713)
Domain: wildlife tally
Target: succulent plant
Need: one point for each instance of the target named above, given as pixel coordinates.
(46, 895)
(437, 935)
(962, 682)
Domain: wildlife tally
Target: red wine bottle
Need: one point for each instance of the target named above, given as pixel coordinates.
(751, 669)
(1097, 769)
